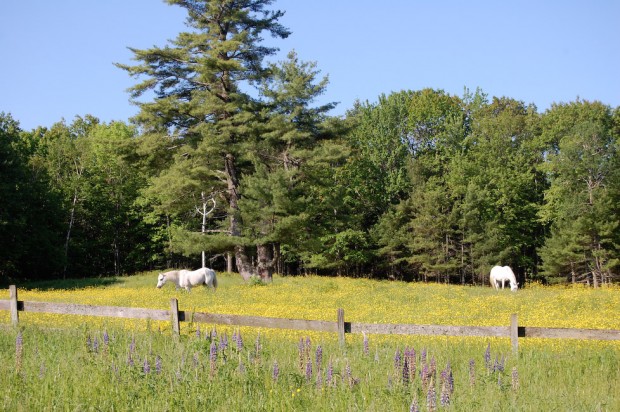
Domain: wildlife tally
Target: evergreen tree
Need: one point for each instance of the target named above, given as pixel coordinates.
(200, 80)
(580, 203)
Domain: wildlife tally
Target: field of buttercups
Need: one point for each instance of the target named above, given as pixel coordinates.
(87, 363)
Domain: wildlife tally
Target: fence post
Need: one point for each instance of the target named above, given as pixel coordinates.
(341, 326)
(13, 304)
(514, 333)
(174, 311)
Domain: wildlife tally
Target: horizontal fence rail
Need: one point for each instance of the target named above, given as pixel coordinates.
(175, 316)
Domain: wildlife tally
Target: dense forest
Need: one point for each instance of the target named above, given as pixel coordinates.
(230, 154)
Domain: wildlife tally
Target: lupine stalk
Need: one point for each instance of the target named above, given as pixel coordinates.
(258, 347)
(213, 357)
(239, 341)
(472, 372)
(158, 364)
(431, 397)
(444, 398)
(487, 357)
(330, 374)
(319, 358)
(415, 407)
(515, 379)
(405, 373)
(146, 368)
(397, 360)
(308, 370)
(19, 350)
(276, 371)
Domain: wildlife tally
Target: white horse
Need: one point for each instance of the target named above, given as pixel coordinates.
(503, 274)
(186, 278)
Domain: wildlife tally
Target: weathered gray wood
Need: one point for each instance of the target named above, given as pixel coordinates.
(13, 305)
(5, 305)
(395, 329)
(174, 314)
(514, 333)
(564, 333)
(341, 330)
(262, 322)
(89, 310)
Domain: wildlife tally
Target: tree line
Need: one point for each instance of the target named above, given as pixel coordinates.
(230, 154)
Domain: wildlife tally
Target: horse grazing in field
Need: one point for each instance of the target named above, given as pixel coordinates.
(503, 274)
(186, 278)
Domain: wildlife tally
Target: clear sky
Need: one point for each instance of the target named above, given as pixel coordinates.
(57, 56)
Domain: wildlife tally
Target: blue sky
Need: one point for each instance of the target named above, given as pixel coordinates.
(57, 56)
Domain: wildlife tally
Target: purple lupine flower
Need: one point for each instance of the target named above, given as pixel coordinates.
(95, 345)
(423, 355)
(106, 338)
(397, 360)
(130, 359)
(195, 361)
(500, 364)
(146, 367)
(415, 407)
(487, 357)
(515, 379)
(276, 371)
(213, 357)
(213, 352)
(330, 374)
(308, 370)
(366, 349)
(410, 356)
(239, 341)
(433, 367)
(444, 398)
(405, 373)
(158, 364)
(449, 378)
(223, 342)
(89, 343)
(301, 348)
(348, 374)
(425, 375)
(308, 344)
(319, 358)
(472, 372)
(431, 397)
(214, 334)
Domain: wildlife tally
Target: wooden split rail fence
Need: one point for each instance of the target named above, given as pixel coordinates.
(175, 316)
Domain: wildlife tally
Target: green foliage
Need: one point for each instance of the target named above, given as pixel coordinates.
(30, 213)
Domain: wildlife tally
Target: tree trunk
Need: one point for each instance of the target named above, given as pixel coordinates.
(71, 220)
(241, 259)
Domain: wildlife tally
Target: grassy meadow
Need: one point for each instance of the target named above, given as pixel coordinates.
(54, 362)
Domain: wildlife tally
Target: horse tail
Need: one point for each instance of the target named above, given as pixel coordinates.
(214, 279)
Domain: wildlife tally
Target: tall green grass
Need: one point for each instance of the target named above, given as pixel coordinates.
(101, 366)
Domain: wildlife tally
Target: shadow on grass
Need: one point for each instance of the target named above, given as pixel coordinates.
(66, 284)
